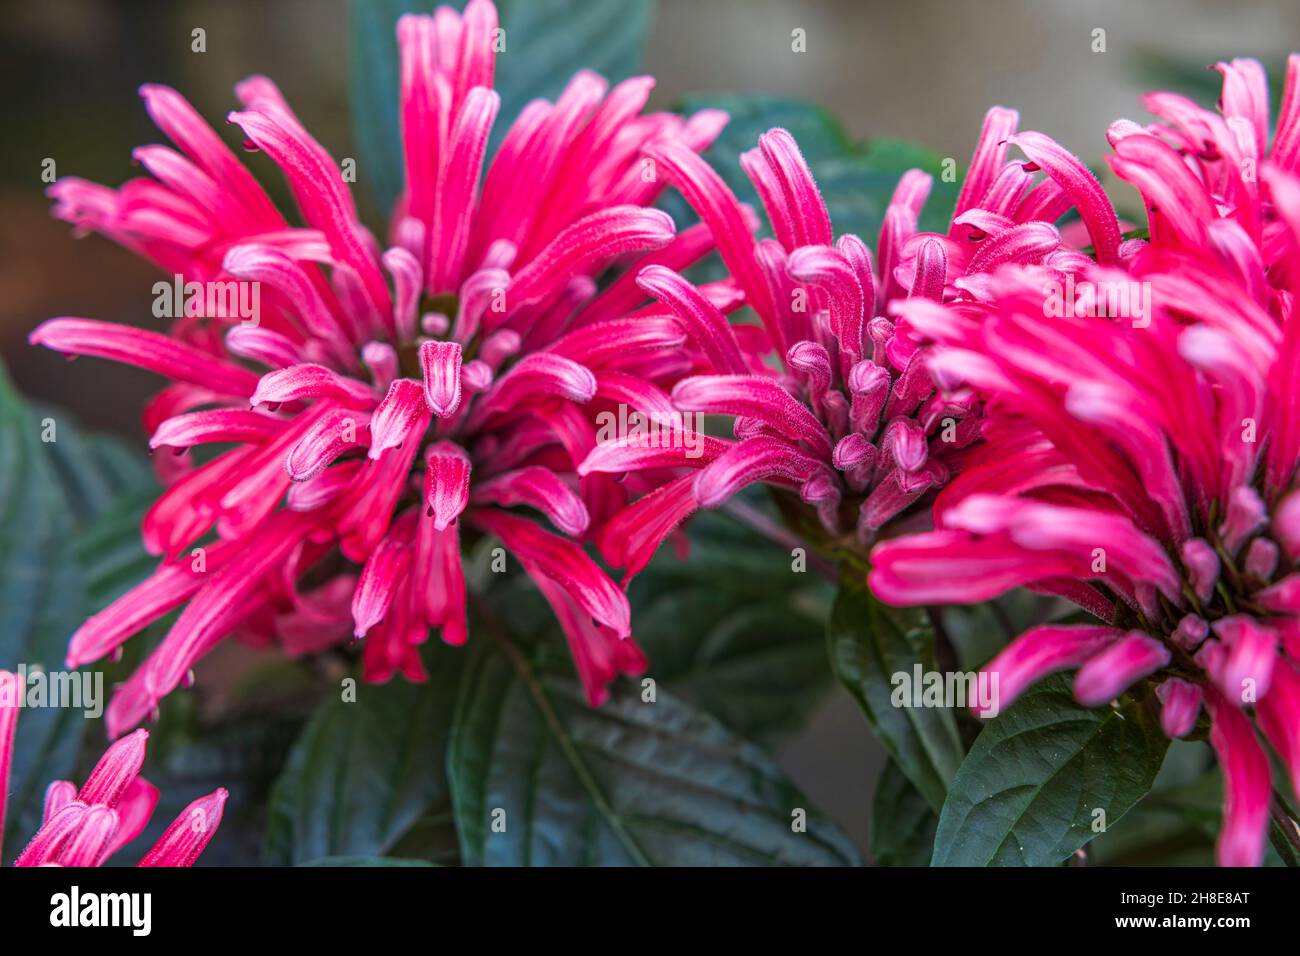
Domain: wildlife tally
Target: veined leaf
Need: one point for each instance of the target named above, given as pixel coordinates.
(733, 629)
(902, 823)
(869, 645)
(365, 776)
(1030, 790)
(539, 778)
(364, 861)
(55, 483)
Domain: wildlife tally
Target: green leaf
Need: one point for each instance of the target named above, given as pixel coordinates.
(41, 603)
(733, 630)
(539, 778)
(979, 631)
(1177, 822)
(547, 41)
(902, 823)
(189, 757)
(855, 179)
(56, 484)
(368, 778)
(110, 551)
(1027, 792)
(869, 644)
(93, 472)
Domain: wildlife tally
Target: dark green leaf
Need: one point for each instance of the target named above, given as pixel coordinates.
(1177, 822)
(110, 551)
(633, 782)
(93, 472)
(41, 603)
(189, 758)
(734, 630)
(1028, 791)
(546, 42)
(55, 483)
(978, 631)
(870, 644)
(902, 823)
(365, 775)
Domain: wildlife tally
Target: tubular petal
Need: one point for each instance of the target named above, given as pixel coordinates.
(145, 349)
(564, 562)
(446, 483)
(1108, 674)
(190, 833)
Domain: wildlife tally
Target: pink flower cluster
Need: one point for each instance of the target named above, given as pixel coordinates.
(85, 827)
(1107, 419)
(1144, 465)
(457, 373)
(851, 421)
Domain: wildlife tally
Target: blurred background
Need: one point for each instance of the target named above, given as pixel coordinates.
(924, 70)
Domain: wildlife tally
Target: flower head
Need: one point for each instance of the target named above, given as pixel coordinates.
(454, 375)
(847, 417)
(1143, 462)
(84, 827)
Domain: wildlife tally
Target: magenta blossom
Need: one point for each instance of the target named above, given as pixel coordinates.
(850, 422)
(85, 827)
(1144, 464)
(458, 373)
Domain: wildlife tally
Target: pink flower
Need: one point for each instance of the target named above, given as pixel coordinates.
(85, 827)
(850, 421)
(1142, 462)
(8, 722)
(456, 374)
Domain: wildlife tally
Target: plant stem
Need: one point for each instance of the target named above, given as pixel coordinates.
(1284, 833)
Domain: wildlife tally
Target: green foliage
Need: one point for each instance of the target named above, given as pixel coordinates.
(540, 778)
(1029, 791)
(63, 555)
(870, 644)
(733, 630)
(902, 823)
(367, 777)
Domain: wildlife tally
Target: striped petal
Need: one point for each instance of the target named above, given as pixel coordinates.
(564, 562)
(148, 350)
(1111, 672)
(587, 244)
(446, 483)
(190, 833)
(402, 416)
(753, 397)
(1081, 186)
(440, 364)
(1042, 651)
(300, 382)
(540, 488)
